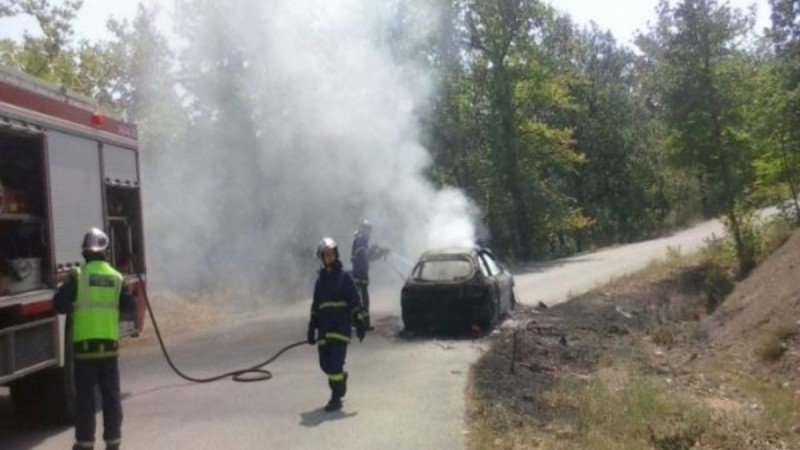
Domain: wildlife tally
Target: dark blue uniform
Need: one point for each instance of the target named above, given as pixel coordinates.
(362, 254)
(360, 257)
(334, 312)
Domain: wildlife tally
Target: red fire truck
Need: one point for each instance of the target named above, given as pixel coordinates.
(64, 168)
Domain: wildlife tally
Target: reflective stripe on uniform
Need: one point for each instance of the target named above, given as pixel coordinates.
(96, 355)
(322, 342)
(113, 441)
(336, 304)
(85, 444)
(337, 337)
(90, 306)
(336, 377)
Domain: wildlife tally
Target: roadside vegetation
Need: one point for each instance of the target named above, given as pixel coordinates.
(686, 354)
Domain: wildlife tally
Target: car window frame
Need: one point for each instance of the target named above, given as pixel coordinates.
(484, 268)
(415, 274)
(490, 262)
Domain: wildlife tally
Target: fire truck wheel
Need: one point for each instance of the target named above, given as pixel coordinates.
(48, 396)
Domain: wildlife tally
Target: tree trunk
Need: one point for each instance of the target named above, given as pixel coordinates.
(707, 213)
(790, 173)
(506, 157)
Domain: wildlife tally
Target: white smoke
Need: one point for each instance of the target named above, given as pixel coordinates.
(323, 133)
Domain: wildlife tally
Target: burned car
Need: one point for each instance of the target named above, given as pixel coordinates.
(456, 289)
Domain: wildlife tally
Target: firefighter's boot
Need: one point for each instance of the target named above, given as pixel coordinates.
(335, 403)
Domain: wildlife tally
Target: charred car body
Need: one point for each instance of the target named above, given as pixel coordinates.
(456, 289)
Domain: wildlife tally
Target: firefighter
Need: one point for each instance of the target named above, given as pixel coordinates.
(94, 296)
(334, 311)
(360, 258)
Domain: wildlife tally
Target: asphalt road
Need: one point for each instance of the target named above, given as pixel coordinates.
(403, 394)
(553, 282)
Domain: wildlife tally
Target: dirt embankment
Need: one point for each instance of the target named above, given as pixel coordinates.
(765, 302)
(644, 363)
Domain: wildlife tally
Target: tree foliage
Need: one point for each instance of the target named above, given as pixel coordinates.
(565, 138)
(703, 89)
(783, 155)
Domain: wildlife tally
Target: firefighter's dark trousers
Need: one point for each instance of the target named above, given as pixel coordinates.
(363, 291)
(331, 360)
(103, 373)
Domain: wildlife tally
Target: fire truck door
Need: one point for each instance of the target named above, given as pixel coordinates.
(76, 193)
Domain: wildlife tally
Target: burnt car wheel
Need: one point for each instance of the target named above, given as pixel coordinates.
(408, 324)
(488, 314)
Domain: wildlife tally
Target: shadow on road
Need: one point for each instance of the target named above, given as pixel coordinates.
(319, 416)
(16, 433)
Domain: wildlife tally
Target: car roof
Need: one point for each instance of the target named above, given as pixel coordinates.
(451, 251)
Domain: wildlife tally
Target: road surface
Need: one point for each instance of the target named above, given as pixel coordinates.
(403, 394)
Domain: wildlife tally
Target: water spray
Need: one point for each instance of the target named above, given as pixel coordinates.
(403, 259)
(396, 271)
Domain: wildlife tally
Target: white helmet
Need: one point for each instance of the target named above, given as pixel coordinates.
(326, 243)
(95, 241)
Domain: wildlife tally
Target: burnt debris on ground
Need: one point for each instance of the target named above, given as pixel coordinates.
(666, 325)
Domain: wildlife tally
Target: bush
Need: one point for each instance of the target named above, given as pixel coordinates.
(772, 347)
(773, 236)
(718, 269)
(665, 335)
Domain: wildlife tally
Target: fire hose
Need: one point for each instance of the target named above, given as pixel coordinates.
(247, 374)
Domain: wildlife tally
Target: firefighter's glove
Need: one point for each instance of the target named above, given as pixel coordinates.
(361, 332)
(311, 337)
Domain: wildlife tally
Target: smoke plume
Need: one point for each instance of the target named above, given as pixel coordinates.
(303, 121)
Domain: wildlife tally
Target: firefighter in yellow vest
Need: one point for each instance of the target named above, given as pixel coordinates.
(94, 296)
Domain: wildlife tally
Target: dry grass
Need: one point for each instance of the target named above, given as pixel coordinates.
(665, 335)
(620, 408)
(631, 398)
(774, 345)
(778, 405)
(626, 410)
(494, 427)
(772, 236)
(638, 412)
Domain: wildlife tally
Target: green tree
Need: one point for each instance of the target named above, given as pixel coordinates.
(8, 7)
(614, 187)
(90, 69)
(530, 159)
(695, 43)
(785, 35)
(49, 56)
